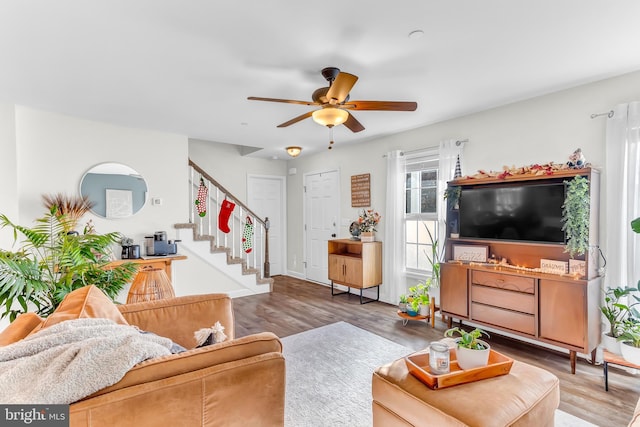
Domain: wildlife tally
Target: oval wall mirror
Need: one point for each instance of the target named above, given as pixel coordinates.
(116, 190)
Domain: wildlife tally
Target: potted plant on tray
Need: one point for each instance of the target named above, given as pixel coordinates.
(616, 312)
(630, 340)
(471, 351)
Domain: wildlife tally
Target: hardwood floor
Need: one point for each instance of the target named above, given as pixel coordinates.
(296, 306)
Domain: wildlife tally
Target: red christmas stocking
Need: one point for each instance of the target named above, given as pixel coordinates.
(201, 201)
(223, 217)
(247, 236)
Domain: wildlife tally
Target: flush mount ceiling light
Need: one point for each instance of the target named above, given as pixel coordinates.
(294, 151)
(330, 116)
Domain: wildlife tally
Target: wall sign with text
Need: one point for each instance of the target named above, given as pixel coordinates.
(470, 253)
(361, 190)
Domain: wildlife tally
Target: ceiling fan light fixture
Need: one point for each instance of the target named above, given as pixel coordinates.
(330, 116)
(294, 151)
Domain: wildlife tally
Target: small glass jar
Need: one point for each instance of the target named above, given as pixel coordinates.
(439, 358)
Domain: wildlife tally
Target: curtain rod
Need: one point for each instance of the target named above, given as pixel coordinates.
(608, 114)
(402, 153)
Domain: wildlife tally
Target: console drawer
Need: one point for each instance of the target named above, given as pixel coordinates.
(510, 300)
(506, 319)
(504, 281)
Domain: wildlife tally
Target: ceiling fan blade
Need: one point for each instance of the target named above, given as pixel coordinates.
(381, 105)
(296, 119)
(286, 101)
(341, 87)
(353, 124)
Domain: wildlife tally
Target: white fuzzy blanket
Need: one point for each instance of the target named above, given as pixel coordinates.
(71, 360)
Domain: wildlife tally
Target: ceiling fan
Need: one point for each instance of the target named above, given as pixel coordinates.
(335, 104)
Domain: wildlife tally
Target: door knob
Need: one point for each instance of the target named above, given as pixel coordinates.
(333, 235)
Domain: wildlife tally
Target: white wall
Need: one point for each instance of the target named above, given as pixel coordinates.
(54, 151)
(539, 130)
(225, 163)
(8, 170)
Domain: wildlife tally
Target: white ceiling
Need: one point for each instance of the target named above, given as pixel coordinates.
(187, 67)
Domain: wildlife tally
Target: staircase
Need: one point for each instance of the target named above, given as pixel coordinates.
(229, 251)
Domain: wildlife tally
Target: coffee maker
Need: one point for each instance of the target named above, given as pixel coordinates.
(129, 250)
(158, 245)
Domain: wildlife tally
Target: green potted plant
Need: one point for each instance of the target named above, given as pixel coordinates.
(412, 309)
(630, 340)
(471, 351)
(575, 216)
(52, 262)
(452, 196)
(616, 312)
(420, 299)
(435, 255)
(402, 305)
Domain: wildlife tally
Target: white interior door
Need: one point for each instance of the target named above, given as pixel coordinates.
(266, 197)
(322, 213)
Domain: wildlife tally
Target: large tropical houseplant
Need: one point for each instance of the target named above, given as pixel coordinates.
(52, 261)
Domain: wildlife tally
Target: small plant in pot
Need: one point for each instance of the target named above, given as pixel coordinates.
(630, 340)
(402, 305)
(412, 306)
(471, 351)
(616, 312)
(420, 297)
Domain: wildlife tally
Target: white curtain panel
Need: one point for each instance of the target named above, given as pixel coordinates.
(393, 267)
(622, 202)
(448, 154)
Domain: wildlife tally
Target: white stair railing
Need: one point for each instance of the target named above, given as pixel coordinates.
(239, 217)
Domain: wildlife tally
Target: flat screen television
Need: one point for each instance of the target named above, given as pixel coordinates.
(531, 212)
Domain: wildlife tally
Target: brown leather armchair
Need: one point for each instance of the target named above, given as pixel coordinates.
(236, 382)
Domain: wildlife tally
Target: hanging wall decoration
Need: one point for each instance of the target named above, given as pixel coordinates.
(201, 201)
(361, 190)
(247, 236)
(225, 213)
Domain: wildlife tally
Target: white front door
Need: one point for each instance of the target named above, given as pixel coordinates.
(322, 212)
(266, 197)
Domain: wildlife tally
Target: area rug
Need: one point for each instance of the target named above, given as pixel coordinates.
(329, 376)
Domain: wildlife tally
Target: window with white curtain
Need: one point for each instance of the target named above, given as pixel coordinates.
(421, 210)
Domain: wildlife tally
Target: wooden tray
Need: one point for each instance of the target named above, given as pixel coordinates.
(418, 365)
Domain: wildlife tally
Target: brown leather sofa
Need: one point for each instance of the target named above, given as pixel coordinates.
(239, 382)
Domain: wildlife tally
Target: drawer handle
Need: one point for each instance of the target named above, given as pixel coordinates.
(500, 280)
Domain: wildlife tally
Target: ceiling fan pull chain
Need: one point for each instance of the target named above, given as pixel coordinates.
(330, 137)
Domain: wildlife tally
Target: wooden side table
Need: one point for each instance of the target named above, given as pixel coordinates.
(163, 262)
(431, 317)
(614, 359)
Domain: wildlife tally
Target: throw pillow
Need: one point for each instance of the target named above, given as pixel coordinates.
(88, 301)
(212, 335)
(19, 328)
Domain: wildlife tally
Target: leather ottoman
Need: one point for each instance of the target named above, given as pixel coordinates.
(527, 396)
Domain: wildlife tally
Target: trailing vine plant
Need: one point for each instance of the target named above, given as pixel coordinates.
(575, 216)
